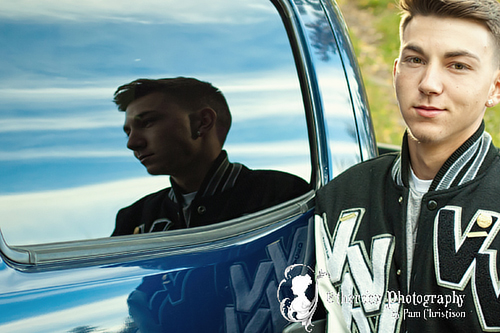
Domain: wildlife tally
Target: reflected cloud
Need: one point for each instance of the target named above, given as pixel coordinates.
(281, 148)
(70, 214)
(58, 153)
(275, 80)
(104, 312)
(155, 11)
(63, 94)
(89, 121)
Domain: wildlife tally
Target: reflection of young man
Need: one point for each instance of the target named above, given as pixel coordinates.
(409, 240)
(177, 127)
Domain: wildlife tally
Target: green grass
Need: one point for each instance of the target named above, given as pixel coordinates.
(376, 52)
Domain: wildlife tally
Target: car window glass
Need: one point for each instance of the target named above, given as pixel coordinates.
(65, 169)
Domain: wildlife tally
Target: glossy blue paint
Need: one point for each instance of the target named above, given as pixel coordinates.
(200, 291)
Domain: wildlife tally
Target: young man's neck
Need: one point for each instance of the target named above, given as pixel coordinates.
(427, 159)
(191, 184)
(192, 179)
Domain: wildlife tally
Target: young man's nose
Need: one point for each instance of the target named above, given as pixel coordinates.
(431, 81)
(135, 141)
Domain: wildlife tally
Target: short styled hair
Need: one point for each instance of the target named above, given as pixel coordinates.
(486, 12)
(189, 93)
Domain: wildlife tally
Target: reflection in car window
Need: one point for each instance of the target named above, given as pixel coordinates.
(65, 170)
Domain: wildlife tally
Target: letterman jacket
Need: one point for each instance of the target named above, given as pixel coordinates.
(361, 245)
(228, 191)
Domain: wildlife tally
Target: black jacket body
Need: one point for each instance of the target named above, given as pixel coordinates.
(229, 190)
(454, 283)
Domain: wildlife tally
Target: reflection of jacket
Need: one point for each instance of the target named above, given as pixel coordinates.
(181, 301)
(228, 191)
(454, 284)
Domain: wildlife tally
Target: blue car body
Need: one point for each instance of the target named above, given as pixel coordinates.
(219, 278)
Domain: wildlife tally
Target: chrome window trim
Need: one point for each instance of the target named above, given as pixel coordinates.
(134, 247)
(359, 99)
(310, 91)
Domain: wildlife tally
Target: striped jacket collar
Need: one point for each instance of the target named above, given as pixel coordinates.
(221, 177)
(461, 167)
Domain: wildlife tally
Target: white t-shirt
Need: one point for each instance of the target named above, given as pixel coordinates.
(418, 188)
(188, 198)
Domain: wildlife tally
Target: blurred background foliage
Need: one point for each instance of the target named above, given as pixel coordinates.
(374, 31)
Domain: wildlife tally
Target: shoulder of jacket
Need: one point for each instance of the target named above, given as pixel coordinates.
(257, 173)
(151, 198)
(380, 164)
(261, 176)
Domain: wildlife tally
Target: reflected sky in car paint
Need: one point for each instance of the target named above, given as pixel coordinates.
(105, 313)
(89, 295)
(61, 134)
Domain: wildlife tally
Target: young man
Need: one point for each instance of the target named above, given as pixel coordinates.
(409, 241)
(177, 127)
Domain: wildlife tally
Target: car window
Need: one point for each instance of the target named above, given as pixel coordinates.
(65, 170)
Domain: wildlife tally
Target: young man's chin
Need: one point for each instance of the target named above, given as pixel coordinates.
(425, 134)
(153, 171)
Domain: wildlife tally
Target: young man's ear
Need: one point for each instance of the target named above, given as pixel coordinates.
(494, 97)
(395, 66)
(202, 121)
(394, 69)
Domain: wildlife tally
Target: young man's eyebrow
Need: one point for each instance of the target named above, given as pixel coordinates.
(447, 55)
(461, 53)
(411, 47)
(144, 113)
(138, 118)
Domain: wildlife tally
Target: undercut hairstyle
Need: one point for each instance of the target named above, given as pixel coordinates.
(486, 12)
(188, 93)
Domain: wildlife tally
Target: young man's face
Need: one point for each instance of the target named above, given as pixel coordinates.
(160, 134)
(445, 74)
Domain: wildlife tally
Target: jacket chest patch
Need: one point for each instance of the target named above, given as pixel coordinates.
(465, 257)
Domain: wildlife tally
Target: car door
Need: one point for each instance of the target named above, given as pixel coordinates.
(298, 105)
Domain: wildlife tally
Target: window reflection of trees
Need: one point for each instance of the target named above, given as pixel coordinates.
(322, 39)
(320, 31)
